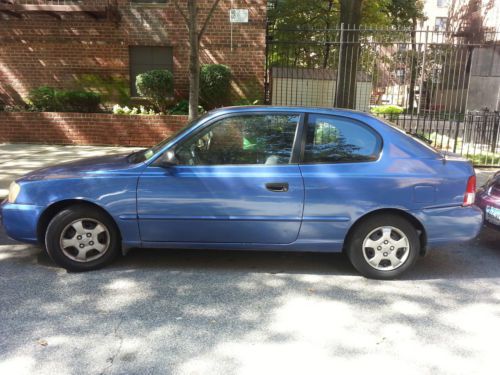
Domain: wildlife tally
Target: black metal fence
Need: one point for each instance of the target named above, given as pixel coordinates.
(475, 135)
(430, 82)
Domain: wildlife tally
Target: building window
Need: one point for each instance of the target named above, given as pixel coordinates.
(442, 3)
(143, 59)
(441, 23)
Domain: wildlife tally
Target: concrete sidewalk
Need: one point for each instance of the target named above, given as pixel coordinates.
(19, 159)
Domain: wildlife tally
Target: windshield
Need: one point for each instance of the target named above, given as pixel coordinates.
(143, 155)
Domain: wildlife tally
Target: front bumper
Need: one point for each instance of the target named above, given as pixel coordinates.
(20, 221)
(451, 224)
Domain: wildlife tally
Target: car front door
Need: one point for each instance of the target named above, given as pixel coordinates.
(235, 181)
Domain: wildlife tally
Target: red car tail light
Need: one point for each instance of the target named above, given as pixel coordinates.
(470, 191)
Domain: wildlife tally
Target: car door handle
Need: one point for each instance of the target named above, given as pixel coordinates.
(277, 187)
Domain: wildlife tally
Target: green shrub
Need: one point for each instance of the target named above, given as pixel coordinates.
(245, 101)
(182, 108)
(43, 99)
(79, 101)
(158, 86)
(387, 109)
(49, 99)
(215, 83)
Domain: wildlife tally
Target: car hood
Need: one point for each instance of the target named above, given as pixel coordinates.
(96, 165)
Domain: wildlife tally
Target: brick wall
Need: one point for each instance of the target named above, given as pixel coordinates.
(86, 129)
(40, 49)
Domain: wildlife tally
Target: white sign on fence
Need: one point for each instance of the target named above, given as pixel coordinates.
(238, 16)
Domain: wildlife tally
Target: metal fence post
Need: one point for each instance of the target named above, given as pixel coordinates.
(423, 73)
(496, 128)
(341, 42)
(267, 99)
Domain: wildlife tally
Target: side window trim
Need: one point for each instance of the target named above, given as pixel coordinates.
(300, 130)
(299, 140)
(380, 140)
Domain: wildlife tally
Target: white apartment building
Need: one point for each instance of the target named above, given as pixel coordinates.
(438, 13)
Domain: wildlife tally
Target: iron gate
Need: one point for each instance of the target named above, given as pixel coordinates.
(430, 82)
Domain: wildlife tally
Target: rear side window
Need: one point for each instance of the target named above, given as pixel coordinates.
(331, 139)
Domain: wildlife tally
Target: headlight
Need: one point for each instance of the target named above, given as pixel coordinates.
(14, 190)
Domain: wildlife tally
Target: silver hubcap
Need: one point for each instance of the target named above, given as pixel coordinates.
(84, 240)
(386, 248)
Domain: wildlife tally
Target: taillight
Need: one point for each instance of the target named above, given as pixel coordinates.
(470, 192)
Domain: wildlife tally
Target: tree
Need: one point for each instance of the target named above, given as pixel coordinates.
(350, 19)
(467, 17)
(303, 36)
(406, 14)
(194, 40)
(304, 32)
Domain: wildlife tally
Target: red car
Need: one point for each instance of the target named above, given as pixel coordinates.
(488, 198)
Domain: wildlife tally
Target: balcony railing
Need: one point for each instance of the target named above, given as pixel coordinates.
(99, 9)
(56, 2)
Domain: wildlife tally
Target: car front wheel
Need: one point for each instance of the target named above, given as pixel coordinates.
(82, 238)
(383, 246)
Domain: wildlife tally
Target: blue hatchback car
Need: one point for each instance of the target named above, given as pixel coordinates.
(264, 178)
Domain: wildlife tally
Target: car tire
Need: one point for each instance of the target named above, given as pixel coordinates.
(82, 238)
(383, 246)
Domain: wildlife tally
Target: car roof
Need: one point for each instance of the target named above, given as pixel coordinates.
(352, 114)
(271, 108)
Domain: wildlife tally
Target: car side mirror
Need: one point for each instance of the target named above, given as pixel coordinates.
(168, 159)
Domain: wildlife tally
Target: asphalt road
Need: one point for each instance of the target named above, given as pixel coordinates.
(250, 313)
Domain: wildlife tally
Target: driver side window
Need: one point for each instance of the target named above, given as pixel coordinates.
(251, 139)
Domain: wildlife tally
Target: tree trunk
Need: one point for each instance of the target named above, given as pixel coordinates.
(194, 60)
(350, 17)
(414, 67)
(327, 47)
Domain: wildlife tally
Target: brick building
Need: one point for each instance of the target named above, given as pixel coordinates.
(103, 44)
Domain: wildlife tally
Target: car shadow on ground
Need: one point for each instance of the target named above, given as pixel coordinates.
(473, 259)
(216, 312)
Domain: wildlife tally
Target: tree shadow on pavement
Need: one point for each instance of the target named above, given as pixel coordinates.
(221, 312)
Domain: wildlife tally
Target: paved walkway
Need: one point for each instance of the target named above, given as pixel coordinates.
(19, 159)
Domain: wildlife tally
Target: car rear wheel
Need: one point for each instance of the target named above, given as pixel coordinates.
(82, 238)
(383, 246)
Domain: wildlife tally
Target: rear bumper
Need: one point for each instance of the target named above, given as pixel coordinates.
(20, 221)
(450, 224)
